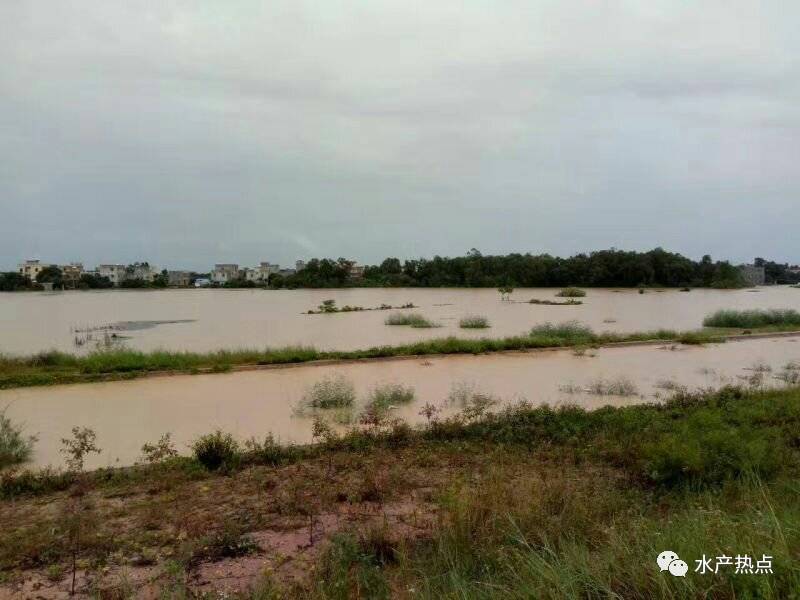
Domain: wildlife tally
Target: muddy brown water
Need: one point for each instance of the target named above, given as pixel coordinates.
(127, 414)
(214, 319)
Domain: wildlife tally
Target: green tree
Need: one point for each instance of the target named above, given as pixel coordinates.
(51, 274)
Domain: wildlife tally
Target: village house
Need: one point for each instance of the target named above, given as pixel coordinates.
(71, 273)
(31, 268)
(141, 272)
(356, 271)
(224, 272)
(114, 273)
(179, 278)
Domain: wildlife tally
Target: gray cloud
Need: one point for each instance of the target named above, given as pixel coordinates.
(190, 132)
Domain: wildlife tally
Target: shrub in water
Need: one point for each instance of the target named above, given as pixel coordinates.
(620, 386)
(474, 322)
(413, 320)
(216, 450)
(331, 392)
(753, 318)
(391, 394)
(571, 292)
(15, 447)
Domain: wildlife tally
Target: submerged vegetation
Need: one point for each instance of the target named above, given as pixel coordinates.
(571, 292)
(15, 446)
(47, 368)
(328, 307)
(390, 395)
(570, 302)
(335, 391)
(474, 322)
(526, 502)
(411, 319)
(751, 319)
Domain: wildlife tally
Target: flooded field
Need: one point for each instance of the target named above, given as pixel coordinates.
(127, 414)
(203, 320)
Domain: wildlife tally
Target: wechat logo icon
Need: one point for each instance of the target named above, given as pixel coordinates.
(669, 561)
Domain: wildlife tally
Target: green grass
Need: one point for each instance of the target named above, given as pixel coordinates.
(571, 292)
(753, 318)
(410, 319)
(712, 474)
(571, 503)
(474, 322)
(49, 368)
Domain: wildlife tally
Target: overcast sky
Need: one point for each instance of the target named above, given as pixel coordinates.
(190, 132)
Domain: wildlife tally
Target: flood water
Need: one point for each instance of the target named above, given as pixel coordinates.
(127, 414)
(205, 319)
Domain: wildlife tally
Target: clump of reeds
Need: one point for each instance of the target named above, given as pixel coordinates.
(382, 400)
(474, 322)
(568, 333)
(390, 395)
(412, 320)
(15, 446)
(621, 386)
(753, 318)
(571, 292)
(335, 391)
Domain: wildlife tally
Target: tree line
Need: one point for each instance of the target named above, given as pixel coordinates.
(604, 268)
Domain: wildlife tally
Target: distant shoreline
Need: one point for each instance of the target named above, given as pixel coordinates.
(654, 288)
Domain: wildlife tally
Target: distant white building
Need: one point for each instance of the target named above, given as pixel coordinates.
(141, 272)
(356, 271)
(248, 274)
(268, 269)
(299, 265)
(31, 268)
(71, 273)
(114, 273)
(224, 272)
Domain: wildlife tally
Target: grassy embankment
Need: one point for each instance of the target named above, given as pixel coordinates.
(527, 503)
(54, 367)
